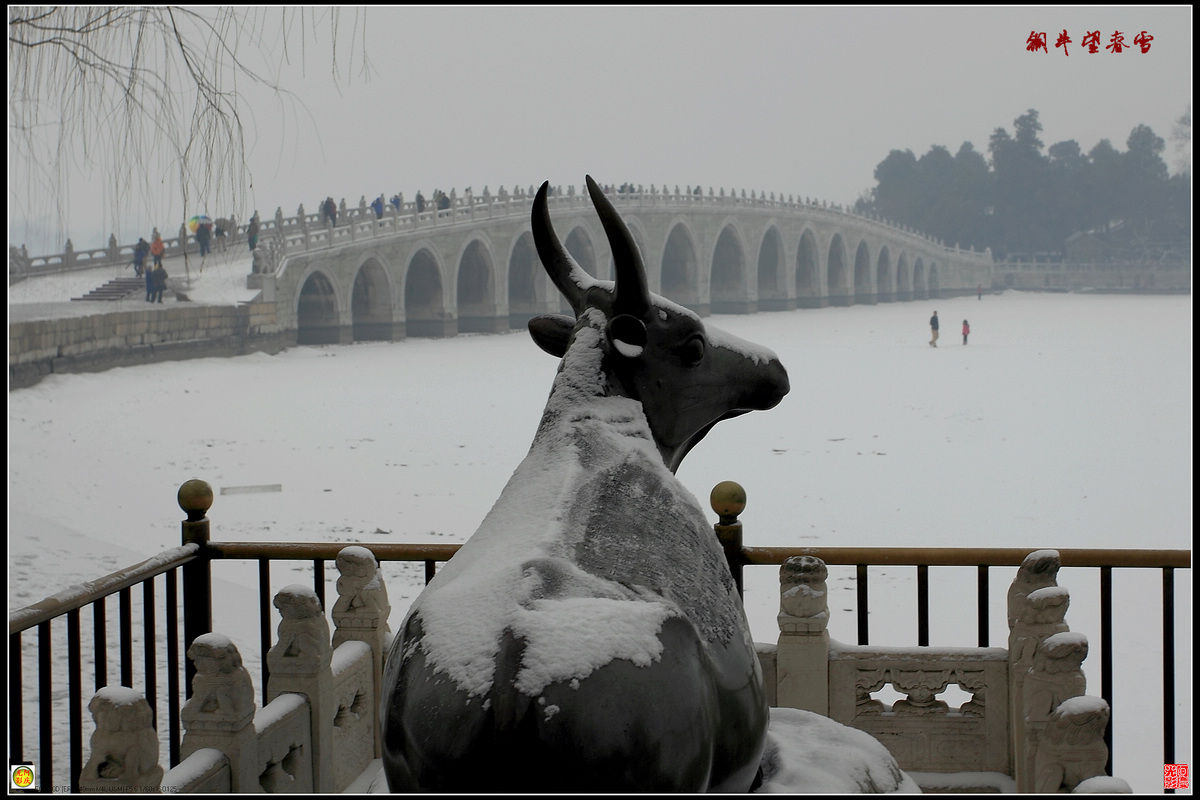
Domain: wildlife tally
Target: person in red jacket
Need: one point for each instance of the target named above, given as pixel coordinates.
(966, 331)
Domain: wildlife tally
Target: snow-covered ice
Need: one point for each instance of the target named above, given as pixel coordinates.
(1066, 422)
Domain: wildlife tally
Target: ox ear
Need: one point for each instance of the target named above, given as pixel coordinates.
(552, 332)
(627, 334)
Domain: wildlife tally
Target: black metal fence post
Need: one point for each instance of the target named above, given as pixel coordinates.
(728, 499)
(195, 498)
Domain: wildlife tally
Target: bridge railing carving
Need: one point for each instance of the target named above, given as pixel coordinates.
(307, 231)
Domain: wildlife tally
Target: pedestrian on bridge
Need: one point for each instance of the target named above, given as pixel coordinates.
(966, 331)
(202, 238)
(139, 256)
(252, 232)
(933, 326)
(158, 284)
(157, 248)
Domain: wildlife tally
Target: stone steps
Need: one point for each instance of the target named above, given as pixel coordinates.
(116, 289)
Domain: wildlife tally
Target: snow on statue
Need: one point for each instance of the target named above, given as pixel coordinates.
(589, 636)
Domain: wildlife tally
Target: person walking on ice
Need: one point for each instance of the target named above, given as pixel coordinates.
(933, 326)
(966, 331)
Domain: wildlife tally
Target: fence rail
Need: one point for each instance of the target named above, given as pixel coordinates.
(192, 615)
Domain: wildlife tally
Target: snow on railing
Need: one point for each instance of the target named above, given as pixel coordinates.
(1027, 705)
(317, 733)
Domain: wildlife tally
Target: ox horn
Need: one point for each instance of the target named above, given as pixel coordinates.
(632, 295)
(567, 275)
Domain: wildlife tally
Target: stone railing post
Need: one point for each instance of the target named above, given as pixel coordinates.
(124, 755)
(1073, 750)
(1056, 675)
(299, 663)
(1038, 573)
(220, 713)
(68, 258)
(361, 612)
(802, 657)
(195, 497)
(728, 499)
(114, 249)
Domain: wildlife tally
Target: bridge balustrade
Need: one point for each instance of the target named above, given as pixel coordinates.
(462, 209)
(53, 702)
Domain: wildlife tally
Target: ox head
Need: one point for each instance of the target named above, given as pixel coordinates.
(686, 376)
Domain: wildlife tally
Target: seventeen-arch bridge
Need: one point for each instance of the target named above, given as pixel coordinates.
(472, 267)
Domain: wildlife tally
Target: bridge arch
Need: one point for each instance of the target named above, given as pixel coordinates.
(772, 273)
(475, 290)
(681, 267)
(727, 281)
(371, 302)
(808, 271)
(836, 272)
(885, 288)
(318, 320)
(526, 284)
(474, 266)
(863, 292)
(425, 311)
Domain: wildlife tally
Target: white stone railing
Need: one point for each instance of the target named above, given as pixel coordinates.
(280, 235)
(305, 232)
(1028, 716)
(317, 733)
(22, 265)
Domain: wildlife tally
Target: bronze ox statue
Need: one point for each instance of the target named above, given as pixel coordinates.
(589, 636)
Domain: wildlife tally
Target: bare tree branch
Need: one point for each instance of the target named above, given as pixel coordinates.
(131, 94)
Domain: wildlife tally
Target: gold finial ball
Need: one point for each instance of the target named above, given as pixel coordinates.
(195, 497)
(728, 499)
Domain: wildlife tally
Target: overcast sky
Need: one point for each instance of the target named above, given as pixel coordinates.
(794, 100)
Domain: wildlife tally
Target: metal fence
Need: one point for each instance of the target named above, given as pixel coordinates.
(186, 612)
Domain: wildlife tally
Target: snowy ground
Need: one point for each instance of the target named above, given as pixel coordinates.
(1066, 422)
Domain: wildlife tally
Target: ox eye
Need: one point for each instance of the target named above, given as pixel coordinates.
(692, 351)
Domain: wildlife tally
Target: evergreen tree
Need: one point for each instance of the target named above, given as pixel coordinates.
(1024, 201)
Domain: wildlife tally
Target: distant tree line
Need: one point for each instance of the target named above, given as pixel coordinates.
(1022, 200)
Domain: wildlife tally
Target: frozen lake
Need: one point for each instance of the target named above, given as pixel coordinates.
(1066, 422)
